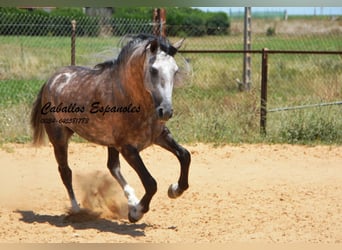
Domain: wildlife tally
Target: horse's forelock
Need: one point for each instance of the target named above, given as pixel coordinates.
(163, 43)
(166, 46)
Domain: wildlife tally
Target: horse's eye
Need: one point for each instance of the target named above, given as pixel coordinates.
(153, 71)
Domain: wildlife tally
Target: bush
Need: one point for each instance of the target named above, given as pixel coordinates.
(40, 23)
(193, 26)
(68, 12)
(194, 22)
(271, 31)
(218, 24)
(180, 22)
(309, 127)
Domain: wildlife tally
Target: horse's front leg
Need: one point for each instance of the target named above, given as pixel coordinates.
(137, 210)
(166, 141)
(113, 165)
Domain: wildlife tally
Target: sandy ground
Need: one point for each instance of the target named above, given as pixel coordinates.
(245, 193)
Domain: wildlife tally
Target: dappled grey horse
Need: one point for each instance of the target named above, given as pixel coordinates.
(122, 104)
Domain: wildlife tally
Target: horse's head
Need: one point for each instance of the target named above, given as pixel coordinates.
(160, 74)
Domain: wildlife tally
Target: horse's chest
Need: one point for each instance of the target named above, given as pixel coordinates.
(140, 133)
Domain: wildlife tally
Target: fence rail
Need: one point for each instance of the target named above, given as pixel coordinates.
(305, 106)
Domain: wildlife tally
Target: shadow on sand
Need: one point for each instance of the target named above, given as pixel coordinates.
(100, 224)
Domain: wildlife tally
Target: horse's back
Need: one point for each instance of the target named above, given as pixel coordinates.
(76, 82)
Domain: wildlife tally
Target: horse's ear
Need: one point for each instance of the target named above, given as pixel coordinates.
(154, 46)
(178, 44)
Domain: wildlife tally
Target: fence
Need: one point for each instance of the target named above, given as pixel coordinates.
(208, 106)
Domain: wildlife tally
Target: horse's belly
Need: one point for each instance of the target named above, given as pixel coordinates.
(113, 131)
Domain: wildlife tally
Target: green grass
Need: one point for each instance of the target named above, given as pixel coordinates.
(38, 57)
(16, 100)
(309, 126)
(15, 92)
(208, 106)
(216, 117)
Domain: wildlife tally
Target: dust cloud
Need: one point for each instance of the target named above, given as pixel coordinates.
(101, 196)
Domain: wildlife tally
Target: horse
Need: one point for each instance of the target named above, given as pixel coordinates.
(122, 104)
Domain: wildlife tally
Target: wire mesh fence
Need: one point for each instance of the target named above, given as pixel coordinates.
(305, 93)
(208, 105)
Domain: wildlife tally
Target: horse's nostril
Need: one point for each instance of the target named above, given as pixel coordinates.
(160, 112)
(164, 113)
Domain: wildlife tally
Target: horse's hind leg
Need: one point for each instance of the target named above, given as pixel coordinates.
(166, 141)
(59, 137)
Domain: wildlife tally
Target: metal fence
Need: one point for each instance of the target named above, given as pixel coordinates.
(208, 106)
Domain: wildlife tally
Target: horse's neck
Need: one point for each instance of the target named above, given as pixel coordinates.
(133, 80)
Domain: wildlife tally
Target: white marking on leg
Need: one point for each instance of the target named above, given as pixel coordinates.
(135, 208)
(74, 206)
(130, 194)
(117, 171)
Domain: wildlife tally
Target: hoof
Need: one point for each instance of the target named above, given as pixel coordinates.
(75, 210)
(132, 219)
(135, 214)
(174, 192)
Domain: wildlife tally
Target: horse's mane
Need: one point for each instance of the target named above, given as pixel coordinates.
(138, 43)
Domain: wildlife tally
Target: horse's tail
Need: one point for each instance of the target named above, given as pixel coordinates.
(37, 125)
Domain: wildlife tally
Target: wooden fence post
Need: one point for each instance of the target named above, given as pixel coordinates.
(263, 99)
(159, 22)
(247, 71)
(73, 42)
(163, 22)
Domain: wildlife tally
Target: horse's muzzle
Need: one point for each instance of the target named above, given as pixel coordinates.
(164, 114)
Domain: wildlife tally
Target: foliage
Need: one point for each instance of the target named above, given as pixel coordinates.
(319, 125)
(183, 21)
(133, 13)
(271, 31)
(217, 24)
(194, 22)
(40, 23)
(69, 12)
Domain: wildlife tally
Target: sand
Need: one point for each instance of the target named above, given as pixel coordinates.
(238, 193)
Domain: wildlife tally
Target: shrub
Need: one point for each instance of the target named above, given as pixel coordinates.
(309, 127)
(218, 24)
(271, 31)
